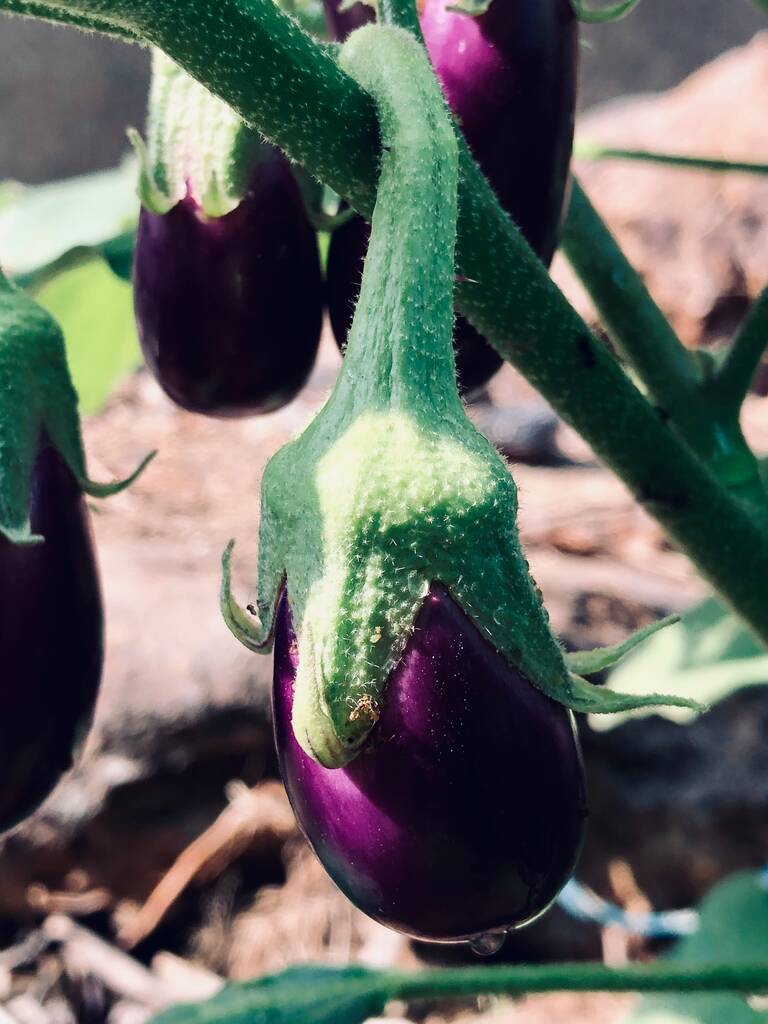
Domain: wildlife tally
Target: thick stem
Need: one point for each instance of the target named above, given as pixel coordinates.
(638, 328)
(44, 12)
(400, 350)
(578, 977)
(645, 339)
(278, 79)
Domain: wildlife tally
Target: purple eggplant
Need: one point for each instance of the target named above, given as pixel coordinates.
(463, 814)
(509, 76)
(51, 636)
(229, 309)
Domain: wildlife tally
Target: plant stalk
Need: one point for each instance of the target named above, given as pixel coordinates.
(278, 79)
(592, 151)
(646, 340)
(45, 12)
(731, 382)
(578, 977)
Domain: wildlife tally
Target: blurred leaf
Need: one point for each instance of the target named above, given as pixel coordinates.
(116, 252)
(733, 930)
(9, 192)
(40, 223)
(300, 995)
(706, 656)
(95, 311)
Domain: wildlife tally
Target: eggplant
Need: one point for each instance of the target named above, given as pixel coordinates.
(229, 308)
(51, 638)
(510, 77)
(462, 816)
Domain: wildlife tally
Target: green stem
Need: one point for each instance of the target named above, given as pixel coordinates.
(402, 13)
(577, 977)
(588, 151)
(599, 15)
(279, 80)
(645, 339)
(639, 330)
(731, 383)
(399, 351)
(45, 12)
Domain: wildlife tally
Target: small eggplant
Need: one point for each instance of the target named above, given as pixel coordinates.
(51, 638)
(423, 706)
(229, 309)
(463, 813)
(51, 629)
(228, 289)
(509, 76)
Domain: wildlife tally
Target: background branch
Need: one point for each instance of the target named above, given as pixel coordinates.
(44, 12)
(589, 151)
(731, 382)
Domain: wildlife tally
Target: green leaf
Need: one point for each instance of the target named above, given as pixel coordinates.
(300, 995)
(40, 223)
(733, 930)
(95, 311)
(705, 656)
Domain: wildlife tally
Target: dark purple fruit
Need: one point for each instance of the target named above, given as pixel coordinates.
(342, 19)
(229, 309)
(51, 638)
(509, 75)
(463, 814)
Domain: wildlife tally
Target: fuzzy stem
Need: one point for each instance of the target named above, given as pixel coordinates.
(590, 151)
(400, 348)
(45, 12)
(291, 89)
(731, 383)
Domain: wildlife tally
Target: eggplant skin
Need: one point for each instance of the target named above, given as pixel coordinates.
(229, 309)
(464, 812)
(51, 638)
(510, 77)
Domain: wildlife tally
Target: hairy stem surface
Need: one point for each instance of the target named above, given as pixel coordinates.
(257, 59)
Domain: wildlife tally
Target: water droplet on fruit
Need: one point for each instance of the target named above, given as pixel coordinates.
(487, 943)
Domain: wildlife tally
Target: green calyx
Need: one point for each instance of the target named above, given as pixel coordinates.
(196, 145)
(391, 488)
(36, 399)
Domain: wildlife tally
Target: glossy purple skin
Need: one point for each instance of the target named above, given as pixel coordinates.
(229, 309)
(510, 76)
(51, 641)
(464, 811)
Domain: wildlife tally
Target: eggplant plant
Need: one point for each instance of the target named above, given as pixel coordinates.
(415, 666)
(510, 76)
